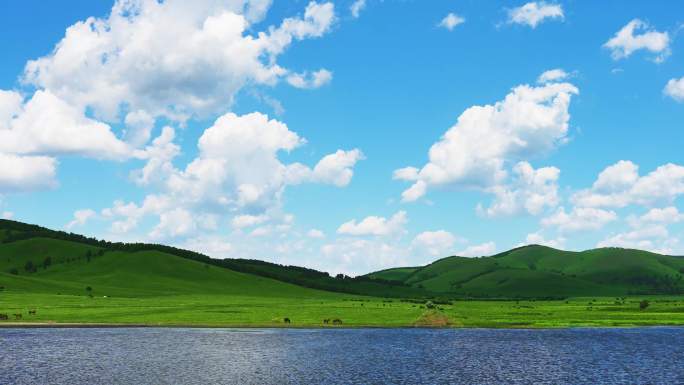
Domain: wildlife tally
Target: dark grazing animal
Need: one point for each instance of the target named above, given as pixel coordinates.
(4, 317)
(286, 320)
(326, 321)
(17, 316)
(32, 312)
(337, 321)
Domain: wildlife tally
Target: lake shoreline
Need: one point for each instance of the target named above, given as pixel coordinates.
(73, 325)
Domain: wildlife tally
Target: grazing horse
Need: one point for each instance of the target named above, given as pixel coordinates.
(286, 320)
(32, 312)
(326, 321)
(4, 317)
(337, 321)
(17, 316)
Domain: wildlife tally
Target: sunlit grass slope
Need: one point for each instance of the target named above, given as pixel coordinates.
(139, 274)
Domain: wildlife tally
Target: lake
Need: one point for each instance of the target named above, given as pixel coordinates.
(341, 356)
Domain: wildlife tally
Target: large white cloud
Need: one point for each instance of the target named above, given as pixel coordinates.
(47, 124)
(173, 58)
(237, 174)
(26, 173)
(238, 164)
(130, 68)
(628, 40)
(374, 225)
(620, 185)
(534, 13)
(475, 152)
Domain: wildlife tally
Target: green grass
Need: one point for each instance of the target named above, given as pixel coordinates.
(267, 311)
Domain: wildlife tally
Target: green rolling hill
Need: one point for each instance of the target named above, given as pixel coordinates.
(38, 260)
(539, 271)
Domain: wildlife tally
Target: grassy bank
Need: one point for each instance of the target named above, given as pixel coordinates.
(248, 311)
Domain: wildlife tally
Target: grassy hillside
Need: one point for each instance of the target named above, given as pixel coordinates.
(35, 258)
(539, 271)
(23, 243)
(146, 274)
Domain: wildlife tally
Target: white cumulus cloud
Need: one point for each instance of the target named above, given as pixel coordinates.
(553, 75)
(26, 173)
(675, 89)
(374, 225)
(534, 13)
(474, 153)
(133, 60)
(628, 40)
(620, 185)
(236, 174)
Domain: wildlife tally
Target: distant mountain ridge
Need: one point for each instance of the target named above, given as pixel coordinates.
(37, 258)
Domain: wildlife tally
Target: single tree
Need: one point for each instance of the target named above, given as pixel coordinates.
(29, 267)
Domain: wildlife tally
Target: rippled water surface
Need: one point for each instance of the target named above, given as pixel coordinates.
(341, 356)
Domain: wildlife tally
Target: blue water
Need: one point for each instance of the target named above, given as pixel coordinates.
(341, 356)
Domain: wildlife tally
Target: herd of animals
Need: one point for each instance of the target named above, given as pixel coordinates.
(19, 316)
(326, 321)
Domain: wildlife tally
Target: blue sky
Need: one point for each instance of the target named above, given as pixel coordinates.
(275, 130)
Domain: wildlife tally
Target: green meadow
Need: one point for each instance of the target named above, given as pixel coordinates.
(245, 311)
(52, 278)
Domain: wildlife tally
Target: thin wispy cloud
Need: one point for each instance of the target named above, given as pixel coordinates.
(450, 21)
